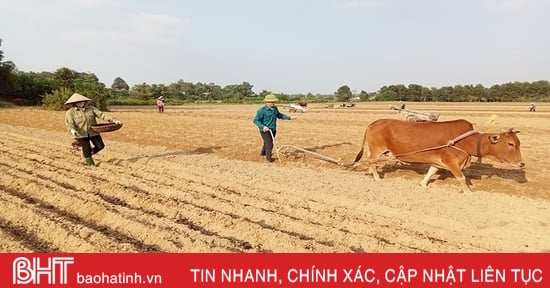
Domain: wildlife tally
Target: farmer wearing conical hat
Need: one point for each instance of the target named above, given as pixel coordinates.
(266, 120)
(79, 119)
(160, 104)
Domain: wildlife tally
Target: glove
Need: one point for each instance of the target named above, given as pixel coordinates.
(74, 133)
(265, 129)
(117, 122)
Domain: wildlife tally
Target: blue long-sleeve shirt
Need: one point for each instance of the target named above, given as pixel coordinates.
(266, 116)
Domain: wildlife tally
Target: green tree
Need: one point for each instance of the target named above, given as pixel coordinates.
(445, 93)
(68, 81)
(65, 78)
(479, 93)
(238, 93)
(426, 94)
(88, 84)
(414, 93)
(539, 91)
(141, 91)
(7, 77)
(158, 90)
(119, 84)
(32, 86)
(460, 93)
(388, 93)
(343, 94)
(120, 87)
(181, 90)
(364, 95)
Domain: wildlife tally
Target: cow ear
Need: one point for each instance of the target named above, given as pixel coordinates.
(494, 138)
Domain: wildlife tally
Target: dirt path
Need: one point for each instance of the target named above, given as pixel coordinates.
(191, 180)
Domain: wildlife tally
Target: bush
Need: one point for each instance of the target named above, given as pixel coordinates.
(129, 101)
(56, 99)
(132, 101)
(6, 104)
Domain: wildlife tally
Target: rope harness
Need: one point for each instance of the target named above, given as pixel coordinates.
(450, 144)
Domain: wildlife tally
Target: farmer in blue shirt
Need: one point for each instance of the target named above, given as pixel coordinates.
(266, 120)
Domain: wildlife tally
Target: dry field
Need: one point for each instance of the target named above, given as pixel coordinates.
(192, 180)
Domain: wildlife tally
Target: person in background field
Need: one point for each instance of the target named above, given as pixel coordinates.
(79, 119)
(160, 104)
(401, 105)
(533, 107)
(266, 120)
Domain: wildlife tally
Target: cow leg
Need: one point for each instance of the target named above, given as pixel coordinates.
(372, 167)
(429, 174)
(372, 159)
(457, 172)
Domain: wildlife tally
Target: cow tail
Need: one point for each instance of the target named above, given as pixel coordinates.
(360, 154)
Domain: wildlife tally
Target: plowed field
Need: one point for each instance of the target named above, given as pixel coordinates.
(192, 180)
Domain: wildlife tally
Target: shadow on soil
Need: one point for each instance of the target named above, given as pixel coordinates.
(476, 171)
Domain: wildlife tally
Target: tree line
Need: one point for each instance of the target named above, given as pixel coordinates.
(51, 89)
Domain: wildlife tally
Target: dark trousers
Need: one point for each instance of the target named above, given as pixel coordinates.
(268, 144)
(161, 109)
(87, 149)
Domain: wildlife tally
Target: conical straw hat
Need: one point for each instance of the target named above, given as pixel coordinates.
(77, 98)
(270, 98)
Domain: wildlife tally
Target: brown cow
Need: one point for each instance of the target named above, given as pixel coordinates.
(447, 145)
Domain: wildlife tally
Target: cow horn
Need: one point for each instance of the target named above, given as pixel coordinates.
(511, 130)
(494, 138)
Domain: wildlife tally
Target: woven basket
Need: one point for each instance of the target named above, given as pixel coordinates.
(106, 127)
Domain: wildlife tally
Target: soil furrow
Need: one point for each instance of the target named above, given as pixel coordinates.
(182, 182)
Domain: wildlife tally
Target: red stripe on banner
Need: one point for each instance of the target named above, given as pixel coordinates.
(275, 270)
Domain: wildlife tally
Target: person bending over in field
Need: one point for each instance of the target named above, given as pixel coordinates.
(79, 119)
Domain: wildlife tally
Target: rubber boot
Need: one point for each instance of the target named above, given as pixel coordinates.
(89, 161)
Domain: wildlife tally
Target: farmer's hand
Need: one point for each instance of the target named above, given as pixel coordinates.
(265, 129)
(74, 133)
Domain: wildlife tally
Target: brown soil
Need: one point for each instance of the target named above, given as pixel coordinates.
(192, 180)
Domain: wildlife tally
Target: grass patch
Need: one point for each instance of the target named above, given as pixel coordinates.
(6, 104)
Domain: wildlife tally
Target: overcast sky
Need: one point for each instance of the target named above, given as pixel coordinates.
(283, 46)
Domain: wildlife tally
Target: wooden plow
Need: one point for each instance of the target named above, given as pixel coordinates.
(417, 116)
(315, 154)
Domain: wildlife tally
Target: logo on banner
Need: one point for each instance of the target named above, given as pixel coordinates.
(31, 271)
